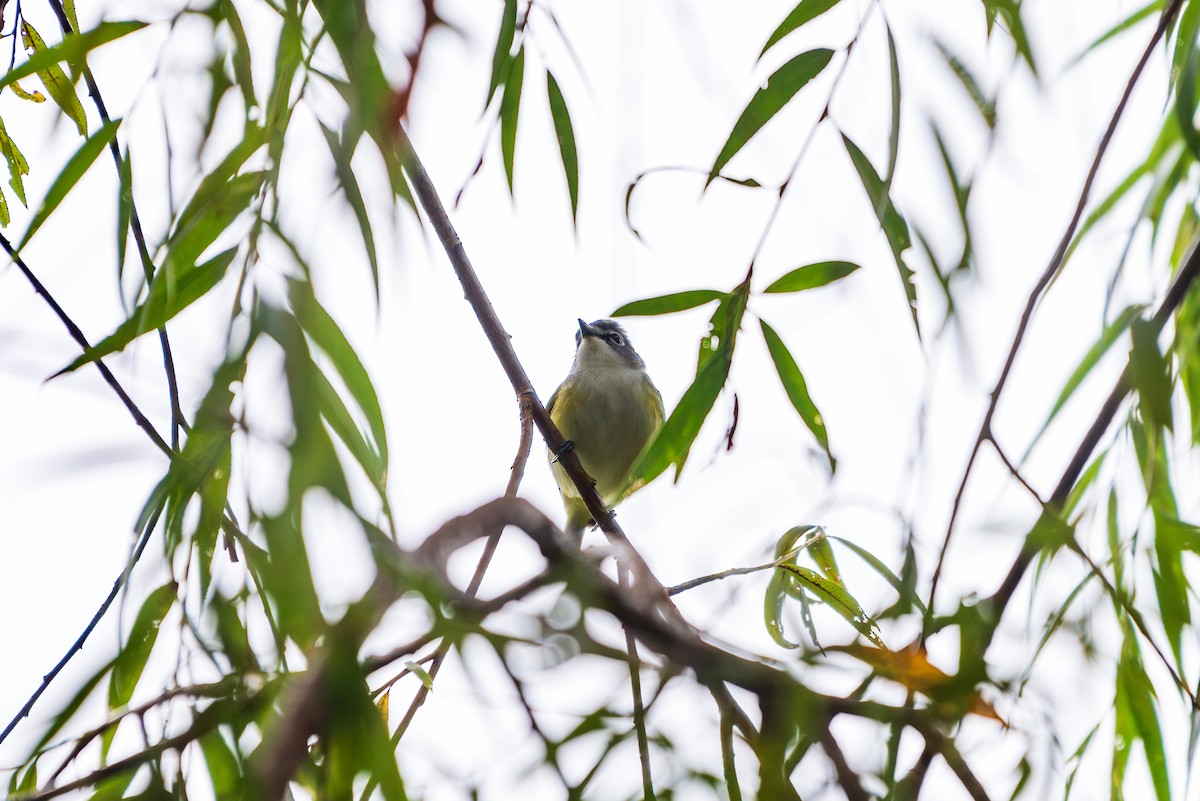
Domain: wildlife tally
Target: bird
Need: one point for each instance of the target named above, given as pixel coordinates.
(607, 409)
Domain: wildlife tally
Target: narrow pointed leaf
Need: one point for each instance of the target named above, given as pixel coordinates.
(504, 41)
(55, 80)
(797, 389)
(71, 49)
(781, 87)
(836, 598)
(804, 12)
(510, 109)
(565, 132)
(130, 662)
(1151, 374)
(811, 276)
(66, 180)
(668, 304)
(893, 224)
(342, 152)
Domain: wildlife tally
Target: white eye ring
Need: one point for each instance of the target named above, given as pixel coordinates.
(615, 338)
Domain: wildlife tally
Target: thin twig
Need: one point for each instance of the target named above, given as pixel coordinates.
(77, 646)
(81, 340)
(516, 473)
(1184, 280)
(135, 224)
(742, 571)
(1052, 269)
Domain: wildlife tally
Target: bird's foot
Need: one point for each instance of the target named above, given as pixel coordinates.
(567, 447)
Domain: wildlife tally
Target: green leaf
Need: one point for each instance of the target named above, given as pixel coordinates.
(675, 438)
(66, 180)
(241, 54)
(161, 305)
(985, 104)
(773, 606)
(124, 210)
(1125, 24)
(781, 87)
(906, 591)
(566, 140)
(669, 304)
(1112, 332)
(503, 52)
(55, 80)
(131, 660)
(420, 673)
(71, 49)
(836, 598)
(1171, 585)
(894, 128)
(822, 553)
(17, 167)
(69, 8)
(510, 109)
(1151, 374)
(325, 332)
(804, 12)
(797, 389)
(224, 767)
(1137, 718)
(894, 225)
(342, 153)
(811, 276)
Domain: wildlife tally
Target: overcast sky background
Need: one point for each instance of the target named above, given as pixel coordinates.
(661, 85)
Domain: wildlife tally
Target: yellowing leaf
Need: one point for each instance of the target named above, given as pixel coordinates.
(381, 703)
(20, 91)
(56, 81)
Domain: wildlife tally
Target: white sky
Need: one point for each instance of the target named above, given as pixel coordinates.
(663, 84)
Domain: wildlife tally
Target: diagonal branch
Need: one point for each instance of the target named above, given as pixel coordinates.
(1052, 269)
(135, 225)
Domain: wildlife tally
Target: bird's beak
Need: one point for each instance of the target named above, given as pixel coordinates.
(586, 330)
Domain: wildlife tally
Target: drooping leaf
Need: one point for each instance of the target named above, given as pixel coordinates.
(894, 225)
(781, 87)
(804, 12)
(984, 104)
(66, 180)
(669, 304)
(325, 332)
(503, 51)
(1151, 374)
(131, 660)
(797, 390)
(342, 152)
(1137, 717)
(510, 109)
(241, 53)
(836, 598)
(565, 132)
(18, 167)
(903, 586)
(894, 127)
(55, 80)
(811, 276)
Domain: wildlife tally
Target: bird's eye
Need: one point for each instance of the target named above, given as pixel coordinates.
(615, 338)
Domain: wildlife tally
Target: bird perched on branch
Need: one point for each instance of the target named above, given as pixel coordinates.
(607, 409)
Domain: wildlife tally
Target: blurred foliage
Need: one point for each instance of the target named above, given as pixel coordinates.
(251, 685)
